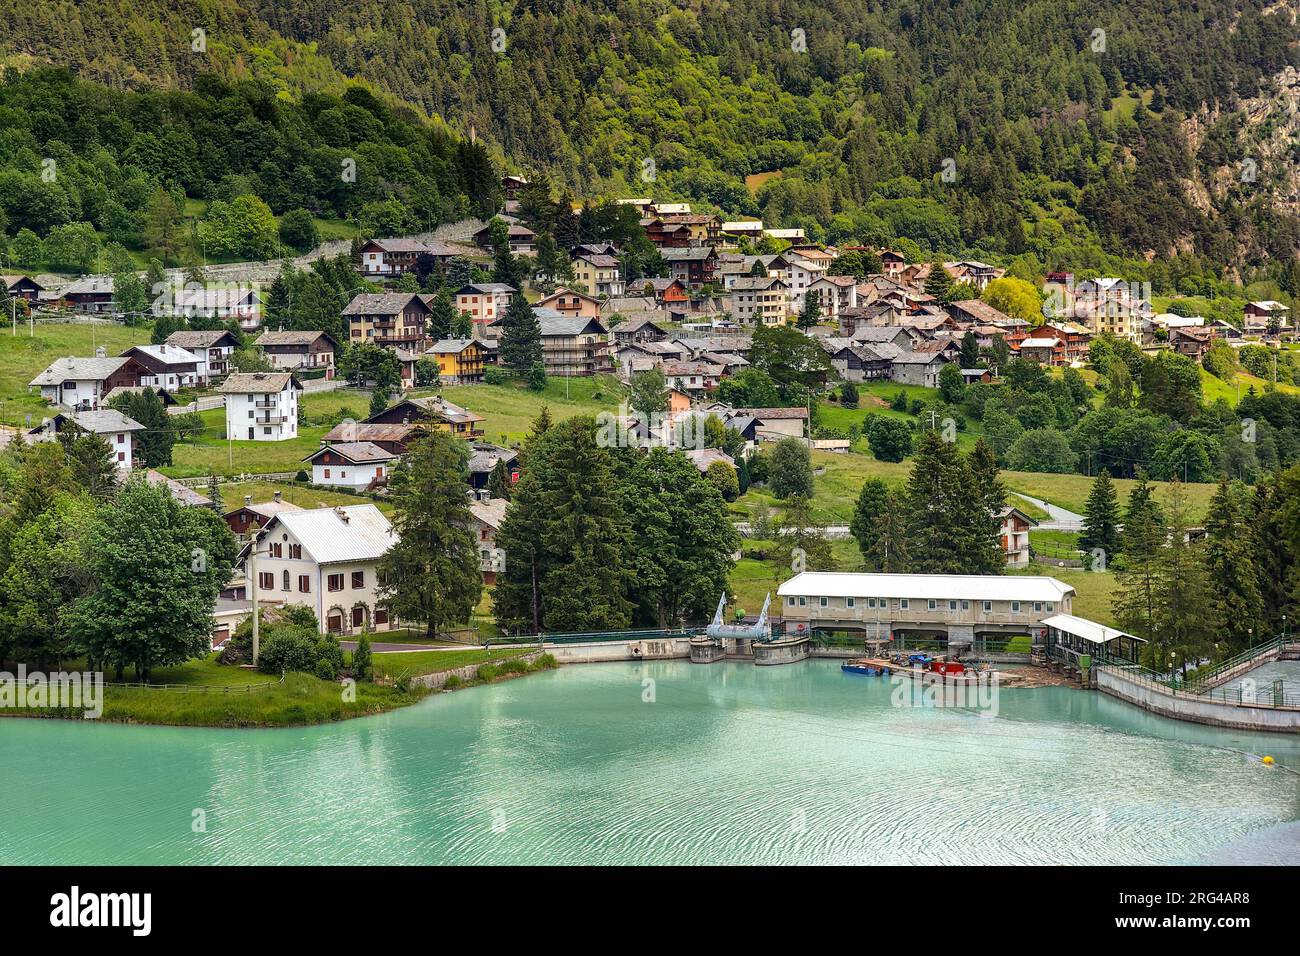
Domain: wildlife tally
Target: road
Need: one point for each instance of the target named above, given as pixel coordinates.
(1058, 519)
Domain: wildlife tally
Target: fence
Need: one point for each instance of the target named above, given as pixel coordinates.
(1255, 655)
(201, 688)
(1272, 695)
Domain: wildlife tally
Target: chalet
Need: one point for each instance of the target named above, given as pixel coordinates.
(435, 412)
(483, 457)
(970, 376)
(82, 383)
(594, 249)
(326, 559)
(389, 436)
(633, 357)
(599, 273)
(396, 257)
(1075, 339)
(975, 312)
(1015, 536)
(23, 287)
(1265, 316)
(241, 303)
(166, 366)
(487, 517)
(640, 330)
(261, 406)
(522, 239)
(460, 361)
(211, 350)
(299, 351)
(899, 336)
(109, 424)
(574, 345)
(702, 458)
(857, 361)
(694, 266)
(970, 272)
(737, 344)
(833, 294)
(693, 378)
(1108, 305)
(918, 368)
(1192, 341)
(484, 302)
(892, 262)
(89, 294)
(511, 185)
(391, 319)
(702, 228)
(667, 292)
(1045, 350)
(249, 517)
(666, 235)
(671, 208)
(359, 465)
(760, 301)
(571, 303)
(789, 235)
(771, 424)
(751, 229)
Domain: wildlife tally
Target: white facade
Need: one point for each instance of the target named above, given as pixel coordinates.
(348, 476)
(261, 406)
(326, 559)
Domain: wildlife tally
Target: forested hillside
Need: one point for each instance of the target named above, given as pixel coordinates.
(1063, 124)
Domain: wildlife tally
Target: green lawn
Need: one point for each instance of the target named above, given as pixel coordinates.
(23, 357)
(415, 663)
(233, 492)
(510, 409)
(1094, 590)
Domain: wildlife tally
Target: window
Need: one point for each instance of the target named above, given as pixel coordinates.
(295, 551)
(304, 583)
(358, 579)
(930, 604)
(327, 472)
(1038, 607)
(903, 604)
(266, 430)
(1015, 607)
(823, 602)
(791, 602)
(803, 601)
(1051, 606)
(848, 602)
(965, 605)
(266, 580)
(988, 606)
(335, 582)
(284, 581)
(952, 605)
(381, 615)
(277, 550)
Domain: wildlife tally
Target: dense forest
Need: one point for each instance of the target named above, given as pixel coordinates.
(990, 127)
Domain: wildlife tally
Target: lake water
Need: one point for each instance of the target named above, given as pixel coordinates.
(730, 763)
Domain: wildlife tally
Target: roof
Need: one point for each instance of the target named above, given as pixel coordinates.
(557, 324)
(199, 340)
(485, 288)
(971, 587)
(368, 432)
(451, 346)
(162, 354)
(979, 309)
(483, 456)
(599, 260)
(357, 452)
(182, 493)
(90, 285)
(687, 253)
(1090, 631)
(1040, 343)
(756, 283)
(258, 383)
(268, 509)
(702, 458)
(334, 535)
(101, 421)
(771, 413)
(79, 370)
(290, 338)
(380, 303)
(491, 512)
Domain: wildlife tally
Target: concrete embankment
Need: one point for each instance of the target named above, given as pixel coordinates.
(1200, 710)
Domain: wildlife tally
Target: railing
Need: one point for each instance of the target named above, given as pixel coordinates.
(1270, 695)
(1207, 679)
(201, 688)
(592, 637)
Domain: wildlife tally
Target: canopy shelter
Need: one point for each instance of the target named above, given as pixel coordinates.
(1069, 636)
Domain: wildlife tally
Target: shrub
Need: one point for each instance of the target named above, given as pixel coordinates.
(495, 376)
(453, 682)
(302, 476)
(326, 670)
(849, 395)
(296, 649)
(362, 665)
(899, 402)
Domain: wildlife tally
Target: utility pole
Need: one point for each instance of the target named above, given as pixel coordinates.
(252, 588)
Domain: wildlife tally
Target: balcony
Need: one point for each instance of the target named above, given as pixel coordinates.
(271, 418)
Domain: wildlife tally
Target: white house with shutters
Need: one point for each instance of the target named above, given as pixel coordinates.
(326, 559)
(351, 464)
(108, 423)
(261, 406)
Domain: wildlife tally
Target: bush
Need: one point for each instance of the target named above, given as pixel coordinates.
(849, 395)
(899, 402)
(326, 670)
(791, 468)
(302, 476)
(453, 682)
(495, 376)
(889, 438)
(362, 665)
(293, 649)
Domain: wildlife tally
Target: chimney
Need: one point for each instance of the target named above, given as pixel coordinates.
(277, 496)
(343, 515)
(248, 500)
(101, 352)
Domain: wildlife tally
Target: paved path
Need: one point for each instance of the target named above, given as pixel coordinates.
(1058, 519)
(390, 648)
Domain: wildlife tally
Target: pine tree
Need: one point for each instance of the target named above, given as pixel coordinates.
(938, 281)
(362, 662)
(499, 481)
(521, 337)
(1101, 518)
(442, 316)
(873, 499)
(1230, 561)
(936, 525)
(970, 350)
(431, 574)
(90, 459)
(811, 312)
(378, 402)
(214, 493)
(988, 497)
(1186, 621)
(1273, 554)
(1138, 581)
(742, 474)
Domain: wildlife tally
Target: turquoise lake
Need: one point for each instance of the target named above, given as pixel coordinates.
(728, 763)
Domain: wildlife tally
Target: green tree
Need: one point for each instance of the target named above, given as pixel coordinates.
(362, 662)
(1101, 518)
(1230, 565)
(157, 568)
(499, 481)
(431, 573)
(521, 337)
(1138, 579)
(298, 230)
(791, 469)
(889, 438)
(938, 281)
(810, 314)
(1185, 623)
(649, 393)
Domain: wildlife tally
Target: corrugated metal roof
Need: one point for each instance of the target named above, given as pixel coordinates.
(971, 587)
(334, 535)
(1090, 631)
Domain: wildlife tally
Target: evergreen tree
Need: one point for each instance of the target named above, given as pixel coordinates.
(214, 493)
(649, 393)
(987, 497)
(970, 350)
(811, 312)
(1138, 580)
(499, 481)
(791, 469)
(742, 474)
(378, 401)
(442, 316)
(154, 443)
(521, 337)
(872, 502)
(1186, 622)
(362, 662)
(938, 281)
(90, 458)
(1230, 563)
(431, 574)
(937, 529)
(800, 544)
(1273, 552)
(1101, 518)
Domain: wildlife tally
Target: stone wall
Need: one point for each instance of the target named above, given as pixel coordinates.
(467, 673)
(1199, 710)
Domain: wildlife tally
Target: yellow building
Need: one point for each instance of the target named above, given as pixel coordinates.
(460, 361)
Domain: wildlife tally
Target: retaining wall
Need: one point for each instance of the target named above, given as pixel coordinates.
(467, 673)
(1199, 710)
